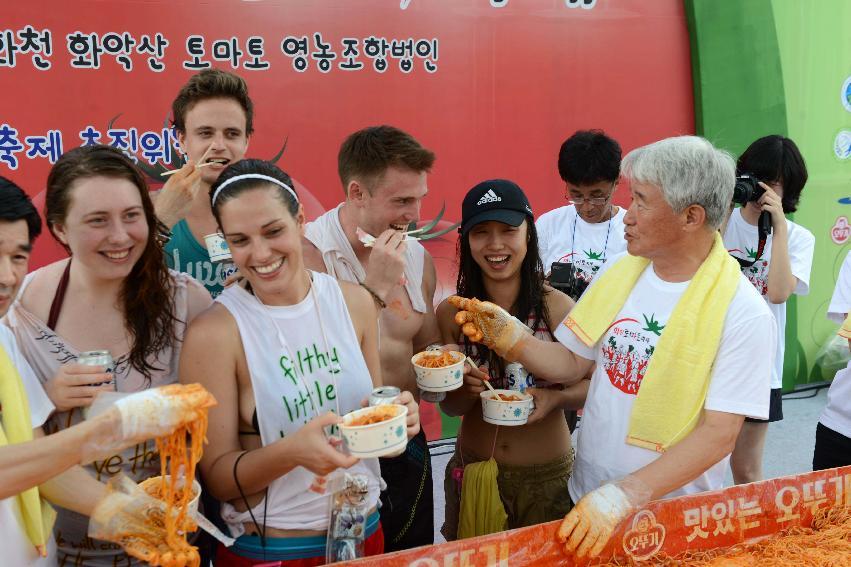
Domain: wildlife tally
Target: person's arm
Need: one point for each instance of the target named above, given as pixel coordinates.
(29, 464)
(552, 361)
(216, 369)
(710, 441)
(573, 396)
(386, 264)
(73, 489)
(546, 399)
(365, 320)
(173, 201)
(780, 282)
(510, 339)
(458, 402)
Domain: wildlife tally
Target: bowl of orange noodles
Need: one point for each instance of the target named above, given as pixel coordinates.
(375, 431)
(156, 487)
(439, 371)
(506, 407)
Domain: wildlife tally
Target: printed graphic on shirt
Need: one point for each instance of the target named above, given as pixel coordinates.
(314, 395)
(627, 348)
(757, 274)
(587, 263)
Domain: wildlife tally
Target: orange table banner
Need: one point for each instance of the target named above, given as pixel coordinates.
(702, 521)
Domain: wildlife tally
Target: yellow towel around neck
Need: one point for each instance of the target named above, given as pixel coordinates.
(36, 514)
(672, 393)
(482, 511)
(845, 330)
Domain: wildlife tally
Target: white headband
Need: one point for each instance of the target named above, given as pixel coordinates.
(252, 176)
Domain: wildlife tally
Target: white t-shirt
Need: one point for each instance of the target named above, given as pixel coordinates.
(564, 237)
(739, 383)
(840, 303)
(16, 547)
(837, 413)
(741, 240)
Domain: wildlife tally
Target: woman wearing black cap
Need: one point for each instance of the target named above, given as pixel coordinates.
(499, 262)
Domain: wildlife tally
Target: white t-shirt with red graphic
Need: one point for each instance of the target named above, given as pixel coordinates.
(741, 240)
(739, 383)
(840, 301)
(564, 237)
(837, 413)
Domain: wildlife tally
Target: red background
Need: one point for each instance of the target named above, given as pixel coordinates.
(511, 84)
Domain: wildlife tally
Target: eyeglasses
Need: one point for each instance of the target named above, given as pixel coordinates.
(582, 200)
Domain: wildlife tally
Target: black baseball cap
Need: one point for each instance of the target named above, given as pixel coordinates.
(495, 200)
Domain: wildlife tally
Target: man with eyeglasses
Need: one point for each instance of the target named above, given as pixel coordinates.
(577, 239)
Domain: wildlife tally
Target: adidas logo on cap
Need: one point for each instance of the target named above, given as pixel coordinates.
(489, 197)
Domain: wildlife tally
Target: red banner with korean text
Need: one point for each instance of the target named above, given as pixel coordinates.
(492, 86)
(703, 521)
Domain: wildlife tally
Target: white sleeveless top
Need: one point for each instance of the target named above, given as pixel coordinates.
(293, 383)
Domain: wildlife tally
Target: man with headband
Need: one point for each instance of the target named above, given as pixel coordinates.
(213, 116)
(383, 171)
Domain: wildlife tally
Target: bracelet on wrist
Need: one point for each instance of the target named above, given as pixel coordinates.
(374, 295)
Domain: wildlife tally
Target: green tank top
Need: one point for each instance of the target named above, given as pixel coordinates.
(184, 254)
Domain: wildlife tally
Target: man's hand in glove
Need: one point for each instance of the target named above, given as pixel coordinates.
(155, 412)
(588, 527)
(128, 516)
(491, 325)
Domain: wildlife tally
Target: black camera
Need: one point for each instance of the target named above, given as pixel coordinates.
(564, 277)
(747, 190)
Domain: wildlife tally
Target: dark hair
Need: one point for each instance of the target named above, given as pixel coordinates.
(212, 83)
(530, 297)
(147, 293)
(248, 167)
(15, 205)
(369, 152)
(589, 156)
(776, 158)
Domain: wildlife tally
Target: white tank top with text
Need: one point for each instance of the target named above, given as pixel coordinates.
(296, 381)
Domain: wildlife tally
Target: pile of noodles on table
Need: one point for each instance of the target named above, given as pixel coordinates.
(827, 543)
(179, 454)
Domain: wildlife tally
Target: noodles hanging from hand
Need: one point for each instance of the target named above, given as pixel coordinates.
(175, 486)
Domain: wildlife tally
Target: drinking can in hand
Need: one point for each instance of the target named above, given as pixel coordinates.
(384, 395)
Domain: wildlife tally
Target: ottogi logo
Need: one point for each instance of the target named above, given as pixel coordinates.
(840, 231)
(489, 197)
(645, 538)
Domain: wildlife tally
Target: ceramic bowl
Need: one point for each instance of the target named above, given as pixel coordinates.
(379, 439)
(151, 485)
(443, 379)
(499, 412)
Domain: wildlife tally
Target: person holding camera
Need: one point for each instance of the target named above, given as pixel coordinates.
(577, 239)
(777, 264)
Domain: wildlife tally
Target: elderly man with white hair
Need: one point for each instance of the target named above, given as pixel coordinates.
(682, 345)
